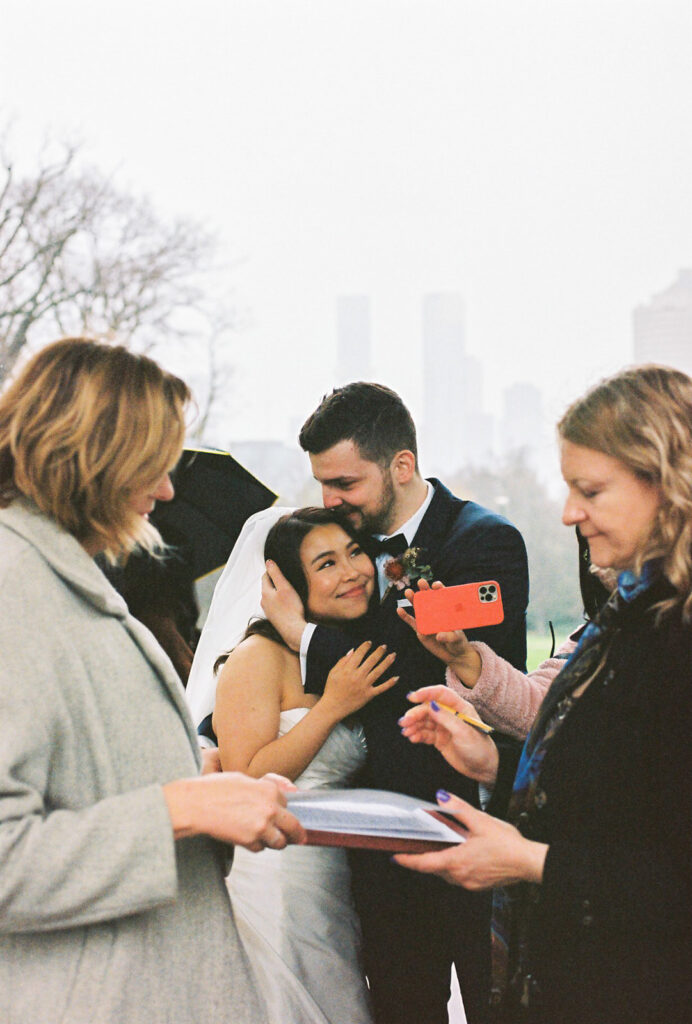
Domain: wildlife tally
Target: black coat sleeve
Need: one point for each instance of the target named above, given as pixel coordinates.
(326, 647)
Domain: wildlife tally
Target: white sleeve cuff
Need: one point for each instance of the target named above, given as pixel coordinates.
(484, 794)
(304, 644)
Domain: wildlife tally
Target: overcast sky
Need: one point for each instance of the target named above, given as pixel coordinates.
(535, 155)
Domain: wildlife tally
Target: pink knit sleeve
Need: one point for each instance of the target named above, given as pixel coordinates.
(505, 697)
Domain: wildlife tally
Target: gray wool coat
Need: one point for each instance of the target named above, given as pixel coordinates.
(104, 919)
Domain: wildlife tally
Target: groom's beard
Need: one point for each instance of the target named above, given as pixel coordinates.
(379, 519)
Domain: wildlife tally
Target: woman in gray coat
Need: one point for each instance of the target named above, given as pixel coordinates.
(113, 907)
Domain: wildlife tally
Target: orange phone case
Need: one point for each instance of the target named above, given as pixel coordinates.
(467, 606)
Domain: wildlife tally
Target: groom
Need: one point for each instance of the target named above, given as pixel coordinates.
(361, 441)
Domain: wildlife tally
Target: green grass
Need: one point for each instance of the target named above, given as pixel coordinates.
(538, 644)
(538, 648)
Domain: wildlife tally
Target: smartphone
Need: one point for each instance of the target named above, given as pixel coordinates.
(467, 606)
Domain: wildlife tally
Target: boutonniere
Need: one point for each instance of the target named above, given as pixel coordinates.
(405, 570)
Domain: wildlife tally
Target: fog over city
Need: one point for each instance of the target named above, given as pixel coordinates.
(519, 170)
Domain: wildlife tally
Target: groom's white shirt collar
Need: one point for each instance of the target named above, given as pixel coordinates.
(410, 527)
(409, 530)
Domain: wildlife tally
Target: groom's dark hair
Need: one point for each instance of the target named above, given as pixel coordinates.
(371, 415)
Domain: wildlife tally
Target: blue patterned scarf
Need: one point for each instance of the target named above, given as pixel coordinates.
(510, 917)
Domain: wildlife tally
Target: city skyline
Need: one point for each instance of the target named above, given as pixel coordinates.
(529, 156)
(448, 440)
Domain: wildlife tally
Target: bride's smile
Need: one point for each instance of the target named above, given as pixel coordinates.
(340, 576)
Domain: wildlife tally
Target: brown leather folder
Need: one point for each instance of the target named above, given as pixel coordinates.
(372, 819)
(390, 844)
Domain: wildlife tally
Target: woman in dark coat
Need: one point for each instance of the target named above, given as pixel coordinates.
(593, 877)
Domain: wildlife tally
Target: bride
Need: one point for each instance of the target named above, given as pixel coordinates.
(294, 906)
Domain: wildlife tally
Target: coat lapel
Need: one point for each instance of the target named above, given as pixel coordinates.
(434, 529)
(68, 559)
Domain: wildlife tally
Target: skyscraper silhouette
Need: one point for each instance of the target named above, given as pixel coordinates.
(663, 326)
(455, 428)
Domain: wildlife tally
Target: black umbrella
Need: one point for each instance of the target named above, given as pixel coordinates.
(214, 495)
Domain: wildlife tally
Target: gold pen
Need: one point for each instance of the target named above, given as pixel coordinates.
(475, 722)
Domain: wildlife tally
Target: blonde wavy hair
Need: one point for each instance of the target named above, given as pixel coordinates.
(642, 416)
(85, 425)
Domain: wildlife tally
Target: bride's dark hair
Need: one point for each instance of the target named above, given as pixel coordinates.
(282, 546)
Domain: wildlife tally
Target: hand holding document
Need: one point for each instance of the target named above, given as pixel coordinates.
(373, 819)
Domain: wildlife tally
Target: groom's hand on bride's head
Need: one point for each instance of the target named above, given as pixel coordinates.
(282, 606)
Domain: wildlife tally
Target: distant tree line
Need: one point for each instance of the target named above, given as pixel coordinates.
(513, 488)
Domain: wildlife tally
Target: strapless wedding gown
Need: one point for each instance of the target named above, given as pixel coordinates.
(294, 908)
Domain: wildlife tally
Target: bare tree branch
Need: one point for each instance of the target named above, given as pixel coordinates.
(218, 375)
(78, 255)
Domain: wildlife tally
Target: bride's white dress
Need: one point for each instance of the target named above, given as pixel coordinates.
(294, 908)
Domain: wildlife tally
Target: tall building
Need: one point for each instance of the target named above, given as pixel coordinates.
(523, 425)
(455, 430)
(522, 417)
(353, 338)
(663, 327)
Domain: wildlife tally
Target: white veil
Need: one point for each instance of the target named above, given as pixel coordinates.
(236, 600)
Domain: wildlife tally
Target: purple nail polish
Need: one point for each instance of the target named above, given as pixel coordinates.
(434, 705)
(442, 796)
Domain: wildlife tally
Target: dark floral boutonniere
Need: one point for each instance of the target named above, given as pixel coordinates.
(406, 570)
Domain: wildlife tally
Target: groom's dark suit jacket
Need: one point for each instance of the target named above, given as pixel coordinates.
(463, 543)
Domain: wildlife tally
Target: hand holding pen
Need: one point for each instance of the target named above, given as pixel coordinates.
(440, 719)
(469, 719)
